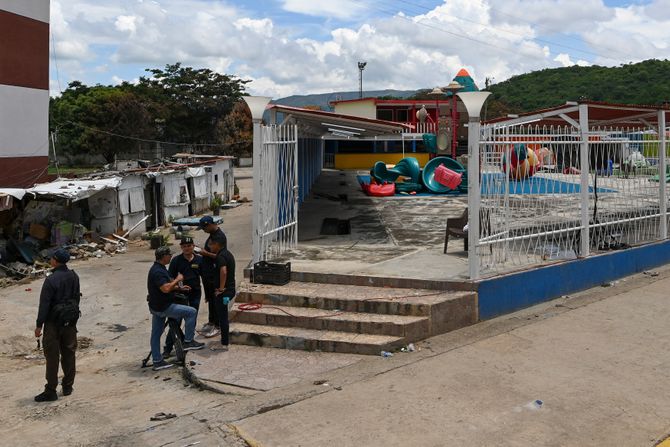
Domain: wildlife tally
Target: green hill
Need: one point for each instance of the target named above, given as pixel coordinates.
(646, 82)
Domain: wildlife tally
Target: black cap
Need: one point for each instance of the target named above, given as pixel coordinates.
(61, 255)
(205, 220)
(186, 240)
(163, 251)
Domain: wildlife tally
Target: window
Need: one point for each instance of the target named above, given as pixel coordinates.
(216, 178)
(402, 115)
(385, 114)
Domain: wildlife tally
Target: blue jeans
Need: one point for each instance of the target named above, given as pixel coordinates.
(194, 302)
(177, 312)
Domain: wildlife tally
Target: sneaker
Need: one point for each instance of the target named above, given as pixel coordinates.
(213, 332)
(206, 328)
(218, 347)
(193, 345)
(67, 390)
(46, 396)
(162, 365)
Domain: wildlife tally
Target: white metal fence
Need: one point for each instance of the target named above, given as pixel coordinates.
(278, 208)
(588, 192)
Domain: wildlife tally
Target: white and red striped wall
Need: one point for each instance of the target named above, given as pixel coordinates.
(24, 92)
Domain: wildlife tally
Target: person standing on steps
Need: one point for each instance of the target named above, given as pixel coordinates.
(211, 328)
(57, 317)
(188, 264)
(224, 288)
(161, 288)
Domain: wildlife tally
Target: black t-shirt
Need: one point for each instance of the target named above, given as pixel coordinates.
(209, 264)
(190, 269)
(225, 259)
(158, 275)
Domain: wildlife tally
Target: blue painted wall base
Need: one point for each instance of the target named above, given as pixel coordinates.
(505, 294)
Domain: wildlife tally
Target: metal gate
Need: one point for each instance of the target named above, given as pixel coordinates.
(278, 183)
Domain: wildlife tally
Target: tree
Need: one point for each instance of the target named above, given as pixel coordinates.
(100, 120)
(193, 100)
(235, 131)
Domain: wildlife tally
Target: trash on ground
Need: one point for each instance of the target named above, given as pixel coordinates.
(409, 348)
(650, 273)
(386, 354)
(534, 405)
(162, 416)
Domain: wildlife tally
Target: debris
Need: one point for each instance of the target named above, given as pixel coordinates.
(386, 354)
(321, 382)
(338, 388)
(650, 273)
(534, 405)
(165, 379)
(409, 348)
(162, 416)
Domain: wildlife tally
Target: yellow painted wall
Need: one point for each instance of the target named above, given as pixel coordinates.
(367, 161)
(364, 109)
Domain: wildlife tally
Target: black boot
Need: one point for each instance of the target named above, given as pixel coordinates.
(67, 390)
(46, 396)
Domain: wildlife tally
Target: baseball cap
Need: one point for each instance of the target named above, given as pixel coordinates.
(186, 240)
(61, 255)
(163, 251)
(205, 220)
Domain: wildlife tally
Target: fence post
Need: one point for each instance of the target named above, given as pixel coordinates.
(662, 174)
(473, 102)
(584, 170)
(257, 106)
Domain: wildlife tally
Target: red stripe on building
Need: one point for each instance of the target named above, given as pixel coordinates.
(24, 51)
(23, 172)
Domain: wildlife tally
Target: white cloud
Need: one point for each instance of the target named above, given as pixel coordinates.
(342, 9)
(407, 50)
(564, 59)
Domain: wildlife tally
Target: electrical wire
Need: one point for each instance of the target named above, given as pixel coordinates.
(537, 39)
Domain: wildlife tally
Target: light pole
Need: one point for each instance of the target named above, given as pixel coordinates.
(257, 105)
(453, 88)
(361, 67)
(473, 102)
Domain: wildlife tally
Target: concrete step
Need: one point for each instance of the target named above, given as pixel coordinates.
(409, 327)
(447, 310)
(312, 340)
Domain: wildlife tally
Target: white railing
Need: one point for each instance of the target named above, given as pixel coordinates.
(427, 127)
(588, 192)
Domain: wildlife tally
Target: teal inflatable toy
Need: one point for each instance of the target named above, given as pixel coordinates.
(428, 175)
(407, 167)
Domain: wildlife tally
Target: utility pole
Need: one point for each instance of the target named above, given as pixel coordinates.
(361, 67)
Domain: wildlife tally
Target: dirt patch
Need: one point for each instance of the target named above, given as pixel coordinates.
(84, 343)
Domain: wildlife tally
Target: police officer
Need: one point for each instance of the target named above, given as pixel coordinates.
(161, 288)
(60, 342)
(189, 265)
(211, 328)
(224, 288)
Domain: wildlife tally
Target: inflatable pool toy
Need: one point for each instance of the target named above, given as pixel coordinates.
(431, 183)
(406, 167)
(523, 162)
(378, 190)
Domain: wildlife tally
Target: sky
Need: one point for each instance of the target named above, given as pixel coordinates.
(288, 47)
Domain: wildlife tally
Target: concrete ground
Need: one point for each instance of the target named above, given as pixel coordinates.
(598, 361)
(400, 236)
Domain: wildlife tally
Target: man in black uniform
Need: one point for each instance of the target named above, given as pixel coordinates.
(161, 288)
(224, 287)
(60, 342)
(188, 264)
(211, 328)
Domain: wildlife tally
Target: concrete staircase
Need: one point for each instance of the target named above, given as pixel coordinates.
(346, 318)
